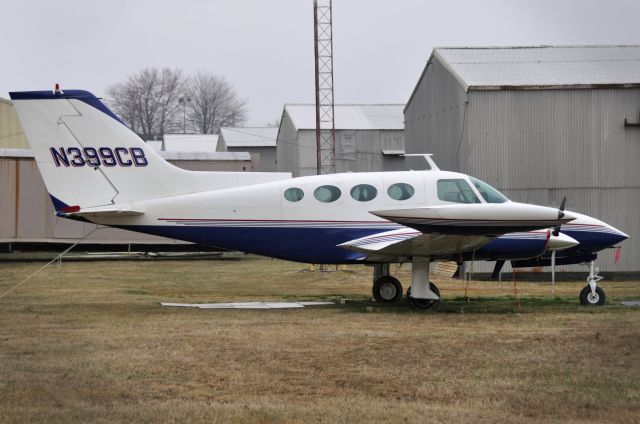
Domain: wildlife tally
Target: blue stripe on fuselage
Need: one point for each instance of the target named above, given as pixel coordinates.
(309, 245)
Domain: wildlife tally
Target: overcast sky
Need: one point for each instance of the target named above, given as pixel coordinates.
(265, 48)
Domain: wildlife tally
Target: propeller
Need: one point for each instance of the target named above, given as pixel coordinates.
(556, 229)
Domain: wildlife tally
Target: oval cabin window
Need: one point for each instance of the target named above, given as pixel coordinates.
(293, 194)
(364, 192)
(400, 191)
(327, 193)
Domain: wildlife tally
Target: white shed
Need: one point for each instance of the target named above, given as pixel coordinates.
(260, 142)
(368, 138)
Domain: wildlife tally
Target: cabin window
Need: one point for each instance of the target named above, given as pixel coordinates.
(490, 194)
(293, 194)
(364, 192)
(400, 191)
(327, 193)
(456, 191)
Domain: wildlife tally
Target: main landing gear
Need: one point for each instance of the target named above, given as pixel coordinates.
(386, 289)
(422, 294)
(591, 294)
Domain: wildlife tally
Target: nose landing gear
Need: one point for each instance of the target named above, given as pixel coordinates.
(591, 294)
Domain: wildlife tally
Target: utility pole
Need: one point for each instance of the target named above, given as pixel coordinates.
(183, 101)
(325, 125)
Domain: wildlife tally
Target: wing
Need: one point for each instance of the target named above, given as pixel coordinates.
(447, 230)
(477, 219)
(398, 245)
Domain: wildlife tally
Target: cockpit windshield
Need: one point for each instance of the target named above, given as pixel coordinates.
(456, 190)
(490, 194)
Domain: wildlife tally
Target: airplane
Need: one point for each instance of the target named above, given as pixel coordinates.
(97, 170)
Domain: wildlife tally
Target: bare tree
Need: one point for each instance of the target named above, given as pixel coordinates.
(213, 103)
(148, 101)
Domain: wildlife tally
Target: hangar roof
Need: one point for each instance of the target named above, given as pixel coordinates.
(483, 68)
(350, 117)
(249, 136)
(190, 142)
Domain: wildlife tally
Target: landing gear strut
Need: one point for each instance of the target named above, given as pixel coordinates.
(591, 294)
(422, 294)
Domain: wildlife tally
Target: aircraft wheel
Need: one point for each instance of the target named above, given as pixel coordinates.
(423, 303)
(387, 289)
(589, 299)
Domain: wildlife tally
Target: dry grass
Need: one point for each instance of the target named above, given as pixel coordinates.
(91, 344)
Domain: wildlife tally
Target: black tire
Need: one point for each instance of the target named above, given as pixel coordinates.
(587, 299)
(424, 303)
(387, 289)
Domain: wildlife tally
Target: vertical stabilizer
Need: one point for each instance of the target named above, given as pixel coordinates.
(88, 157)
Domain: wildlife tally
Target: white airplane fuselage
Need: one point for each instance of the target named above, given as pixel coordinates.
(258, 218)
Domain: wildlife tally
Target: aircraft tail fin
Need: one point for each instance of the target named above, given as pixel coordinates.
(88, 157)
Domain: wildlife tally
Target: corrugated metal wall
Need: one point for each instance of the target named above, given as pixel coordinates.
(356, 150)
(434, 118)
(263, 158)
(369, 144)
(287, 154)
(578, 137)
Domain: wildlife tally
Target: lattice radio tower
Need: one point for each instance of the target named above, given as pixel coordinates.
(325, 125)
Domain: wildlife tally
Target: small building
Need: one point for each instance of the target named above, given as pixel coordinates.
(260, 142)
(11, 134)
(367, 138)
(539, 123)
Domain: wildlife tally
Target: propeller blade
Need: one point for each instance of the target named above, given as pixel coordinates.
(564, 202)
(556, 229)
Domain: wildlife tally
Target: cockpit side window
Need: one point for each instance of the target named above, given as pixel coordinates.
(490, 194)
(457, 191)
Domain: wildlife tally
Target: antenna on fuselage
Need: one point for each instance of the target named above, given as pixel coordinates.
(428, 158)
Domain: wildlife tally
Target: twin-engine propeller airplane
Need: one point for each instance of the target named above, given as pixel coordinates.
(96, 169)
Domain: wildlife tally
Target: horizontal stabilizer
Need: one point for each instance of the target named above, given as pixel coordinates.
(98, 211)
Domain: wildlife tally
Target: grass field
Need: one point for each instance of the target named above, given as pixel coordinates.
(90, 343)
